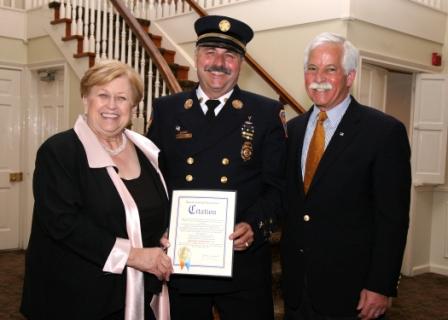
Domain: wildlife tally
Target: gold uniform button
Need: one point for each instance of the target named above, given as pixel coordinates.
(224, 179)
(190, 160)
(189, 177)
(306, 218)
(225, 161)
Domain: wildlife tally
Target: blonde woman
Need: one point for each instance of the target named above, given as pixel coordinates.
(100, 213)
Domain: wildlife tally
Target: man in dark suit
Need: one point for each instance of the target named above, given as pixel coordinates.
(347, 196)
(221, 137)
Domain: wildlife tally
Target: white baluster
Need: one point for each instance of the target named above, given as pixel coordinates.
(149, 92)
(79, 24)
(172, 8)
(123, 42)
(85, 44)
(62, 10)
(136, 55)
(164, 88)
(104, 31)
(151, 10)
(141, 107)
(157, 84)
(144, 10)
(73, 24)
(92, 26)
(165, 9)
(159, 9)
(117, 36)
(129, 56)
(138, 9)
(98, 31)
(110, 38)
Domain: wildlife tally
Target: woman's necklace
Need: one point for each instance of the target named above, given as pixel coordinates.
(119, 149)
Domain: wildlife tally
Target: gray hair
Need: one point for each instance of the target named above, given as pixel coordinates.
(350, 53)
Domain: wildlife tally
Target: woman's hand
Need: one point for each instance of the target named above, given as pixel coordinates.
(164, 242)
(152, 260)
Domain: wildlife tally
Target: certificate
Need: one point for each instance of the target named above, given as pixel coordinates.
(200, 224)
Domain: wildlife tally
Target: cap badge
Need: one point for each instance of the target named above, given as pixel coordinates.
(188, 104)
(224, 25)
(237, 104)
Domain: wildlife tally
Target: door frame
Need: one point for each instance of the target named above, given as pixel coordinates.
(31, 137)
(414, 68)
(19, 68)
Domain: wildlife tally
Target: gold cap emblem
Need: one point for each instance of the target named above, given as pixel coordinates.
(224, 25)
(188, 104)
(237, 104)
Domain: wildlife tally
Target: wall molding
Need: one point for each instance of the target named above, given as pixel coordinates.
(439, 269)
(420, 269)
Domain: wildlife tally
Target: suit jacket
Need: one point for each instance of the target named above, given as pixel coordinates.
(78, 214)
(196, 154)
(349, 231)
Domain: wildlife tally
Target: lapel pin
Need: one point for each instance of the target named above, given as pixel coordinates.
(237, 104)
(188, 104)
(341, 134)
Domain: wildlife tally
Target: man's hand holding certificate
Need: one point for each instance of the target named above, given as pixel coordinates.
(200, 226)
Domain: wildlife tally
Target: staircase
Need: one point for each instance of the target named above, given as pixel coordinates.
(102, 33)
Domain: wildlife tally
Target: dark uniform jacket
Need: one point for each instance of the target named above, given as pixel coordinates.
(349, 231)
(243, 149)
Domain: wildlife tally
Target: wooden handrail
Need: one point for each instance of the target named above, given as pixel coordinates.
(285, 97)
(149, 46)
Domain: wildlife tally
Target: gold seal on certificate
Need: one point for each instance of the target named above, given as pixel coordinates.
(200, 224)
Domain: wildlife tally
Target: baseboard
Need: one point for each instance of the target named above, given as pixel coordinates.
(434, 268)
(439, 269)
(420, 269)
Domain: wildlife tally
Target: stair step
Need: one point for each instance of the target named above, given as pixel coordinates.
(180, 72)
(90, 55)
(156, 39)
(168, 55)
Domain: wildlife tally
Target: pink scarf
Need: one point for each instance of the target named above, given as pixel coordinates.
(98, 157)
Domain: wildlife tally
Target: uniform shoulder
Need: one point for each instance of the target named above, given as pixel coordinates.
(173, 97)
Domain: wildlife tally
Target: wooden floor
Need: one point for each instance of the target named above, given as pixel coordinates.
(424, 297)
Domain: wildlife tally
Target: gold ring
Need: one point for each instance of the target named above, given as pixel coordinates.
(247, 244)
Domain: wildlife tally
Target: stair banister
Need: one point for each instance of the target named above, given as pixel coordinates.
(285, 97)
(162, 66)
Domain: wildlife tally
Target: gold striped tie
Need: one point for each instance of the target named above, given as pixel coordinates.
(315, 150)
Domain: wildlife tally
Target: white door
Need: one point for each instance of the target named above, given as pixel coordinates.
(10, 134)
(430, 128)
(373, 86)
(52, 115)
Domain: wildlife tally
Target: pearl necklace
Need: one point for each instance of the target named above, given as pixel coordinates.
(119, 149)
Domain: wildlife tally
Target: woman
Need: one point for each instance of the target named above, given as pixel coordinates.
(96, 249)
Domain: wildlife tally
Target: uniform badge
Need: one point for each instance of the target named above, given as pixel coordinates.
(247, 133)
(237, 104)
(282, 116)
(248, 130)
(246, 151)
(182, 134)
(224, 25)
(188, 104)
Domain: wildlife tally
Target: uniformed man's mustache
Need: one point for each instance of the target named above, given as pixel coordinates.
(324, 86)
(218, 69)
